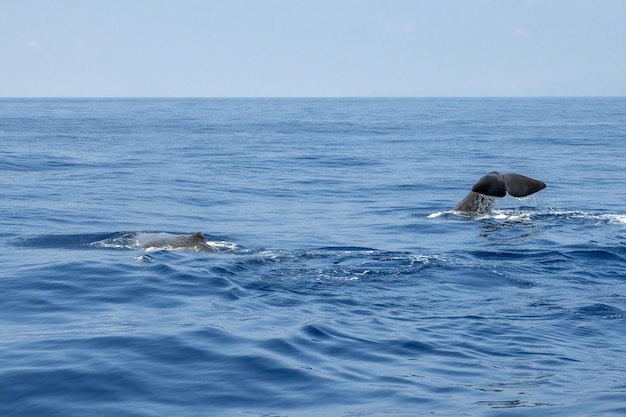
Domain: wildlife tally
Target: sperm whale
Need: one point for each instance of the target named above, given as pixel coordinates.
(194, 242)
(494, 184)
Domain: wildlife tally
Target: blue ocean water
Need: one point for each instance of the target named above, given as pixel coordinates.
(344, 285)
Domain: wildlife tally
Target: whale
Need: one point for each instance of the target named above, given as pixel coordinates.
(480, 200)
(193, 242)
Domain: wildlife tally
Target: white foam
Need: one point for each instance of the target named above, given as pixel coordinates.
(585, 215)
(223, 245)
(437, 214)
(614, 218)
(516, 215)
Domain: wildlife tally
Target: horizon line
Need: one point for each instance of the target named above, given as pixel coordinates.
(305, 97)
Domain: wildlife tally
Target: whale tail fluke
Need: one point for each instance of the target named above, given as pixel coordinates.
(521, 186)
(497, 185)
(494, 184)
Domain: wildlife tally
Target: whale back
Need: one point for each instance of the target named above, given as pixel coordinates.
(196, 238)
(176, 242)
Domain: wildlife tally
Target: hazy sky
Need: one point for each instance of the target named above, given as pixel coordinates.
(278, 48)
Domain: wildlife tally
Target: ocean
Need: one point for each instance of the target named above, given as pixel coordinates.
(342, 284)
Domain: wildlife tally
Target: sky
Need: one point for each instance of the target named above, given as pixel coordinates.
(312, 48)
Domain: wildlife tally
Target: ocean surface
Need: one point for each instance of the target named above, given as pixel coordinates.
(342, 283)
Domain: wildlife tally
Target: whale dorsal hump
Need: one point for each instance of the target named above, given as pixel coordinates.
(521, 186)
(492, 184)
(198, 236)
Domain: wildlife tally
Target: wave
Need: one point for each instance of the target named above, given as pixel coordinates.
(543, 241)
(340, 263)
(335, 264)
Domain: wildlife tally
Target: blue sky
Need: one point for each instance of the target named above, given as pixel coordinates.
(312, 48)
